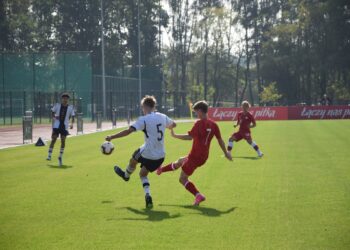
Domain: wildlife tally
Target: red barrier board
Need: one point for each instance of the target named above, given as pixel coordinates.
(259, 113)
(283, 113)
(318, 112)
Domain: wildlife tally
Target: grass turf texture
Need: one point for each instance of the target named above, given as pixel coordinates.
(296, 197)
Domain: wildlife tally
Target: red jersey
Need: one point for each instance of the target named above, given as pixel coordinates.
(244, 120)
(202, 133)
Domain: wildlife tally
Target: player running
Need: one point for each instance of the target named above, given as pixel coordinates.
(151, 154)
(61, 113)
(245, 121)
(201, 133)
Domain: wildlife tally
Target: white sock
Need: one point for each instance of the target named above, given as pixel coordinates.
(145, 184)
(253, 145)
(61, 152)
(230, 144)
(128, 171)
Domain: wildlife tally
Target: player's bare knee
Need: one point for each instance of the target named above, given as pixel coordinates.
(179, 163)
(132, 163)
(63, 142)
(143, 172)
(183, 178)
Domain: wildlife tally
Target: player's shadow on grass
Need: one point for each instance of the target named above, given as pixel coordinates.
(106, 202)
(151, 215)
(247, 157)
(59, 167)
(207, 211)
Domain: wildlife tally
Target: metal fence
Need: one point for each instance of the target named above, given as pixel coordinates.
(126, 103)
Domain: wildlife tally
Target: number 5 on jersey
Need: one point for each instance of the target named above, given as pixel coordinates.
(159, 132)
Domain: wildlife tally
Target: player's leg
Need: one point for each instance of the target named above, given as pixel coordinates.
(230, 143)
(254, 146)
(236, 137)
(125, 175)
(172, 166)
(63, 145)
(146, 186)
(191, 188)
(135, 159)
(52, 144)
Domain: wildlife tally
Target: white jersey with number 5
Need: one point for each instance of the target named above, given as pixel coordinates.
(153, 125)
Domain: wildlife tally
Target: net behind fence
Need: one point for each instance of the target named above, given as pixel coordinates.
(34, 81)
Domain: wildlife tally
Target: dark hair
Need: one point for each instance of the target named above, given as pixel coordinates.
(201, 105)
(149, 101)
(65, 95)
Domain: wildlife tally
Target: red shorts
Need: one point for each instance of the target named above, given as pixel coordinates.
(242, 135)
(190, 165)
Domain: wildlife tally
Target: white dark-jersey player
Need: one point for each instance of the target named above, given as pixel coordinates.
(151, 154)
(61, 113)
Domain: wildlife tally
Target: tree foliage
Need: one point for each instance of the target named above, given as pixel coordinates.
(222, 50)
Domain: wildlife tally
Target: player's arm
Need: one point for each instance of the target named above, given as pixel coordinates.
(53, 111)
(181, 137)
(169, 123)
(73, 119)
(223, 148)
(121, 134)
(72, 116)
(221, 142)
(253, 123)
(138, 125)
(172, 125)
(238, 121)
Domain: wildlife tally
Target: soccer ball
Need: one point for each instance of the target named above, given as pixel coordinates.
(107, 148)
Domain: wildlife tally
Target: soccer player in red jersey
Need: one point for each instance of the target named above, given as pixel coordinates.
(201, 133)
(245, 121)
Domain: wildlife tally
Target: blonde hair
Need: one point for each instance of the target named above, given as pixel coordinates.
(244, 103)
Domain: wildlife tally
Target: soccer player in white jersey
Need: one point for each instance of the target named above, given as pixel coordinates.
(151, 154)
(61, 113)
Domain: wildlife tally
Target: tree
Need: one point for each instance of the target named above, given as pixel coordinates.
(270, 94)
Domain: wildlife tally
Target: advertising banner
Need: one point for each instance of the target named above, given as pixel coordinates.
(318, 112)
(283, 113)
(259, 113)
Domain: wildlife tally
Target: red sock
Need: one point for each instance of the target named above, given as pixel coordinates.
(191, 188)
(168, 168)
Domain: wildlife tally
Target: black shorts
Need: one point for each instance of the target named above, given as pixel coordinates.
(60, 131)
(150, 165)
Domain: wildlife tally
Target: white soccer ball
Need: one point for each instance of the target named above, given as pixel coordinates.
(107, 148)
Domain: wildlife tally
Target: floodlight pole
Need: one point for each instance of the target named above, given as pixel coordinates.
(139, 51)
(103, 65)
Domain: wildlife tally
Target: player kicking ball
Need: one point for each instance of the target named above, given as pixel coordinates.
(151, 154)
(61, 113)
(201, 133)
(245, 121)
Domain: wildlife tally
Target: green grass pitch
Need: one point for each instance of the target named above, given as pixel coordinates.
(296, 197)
